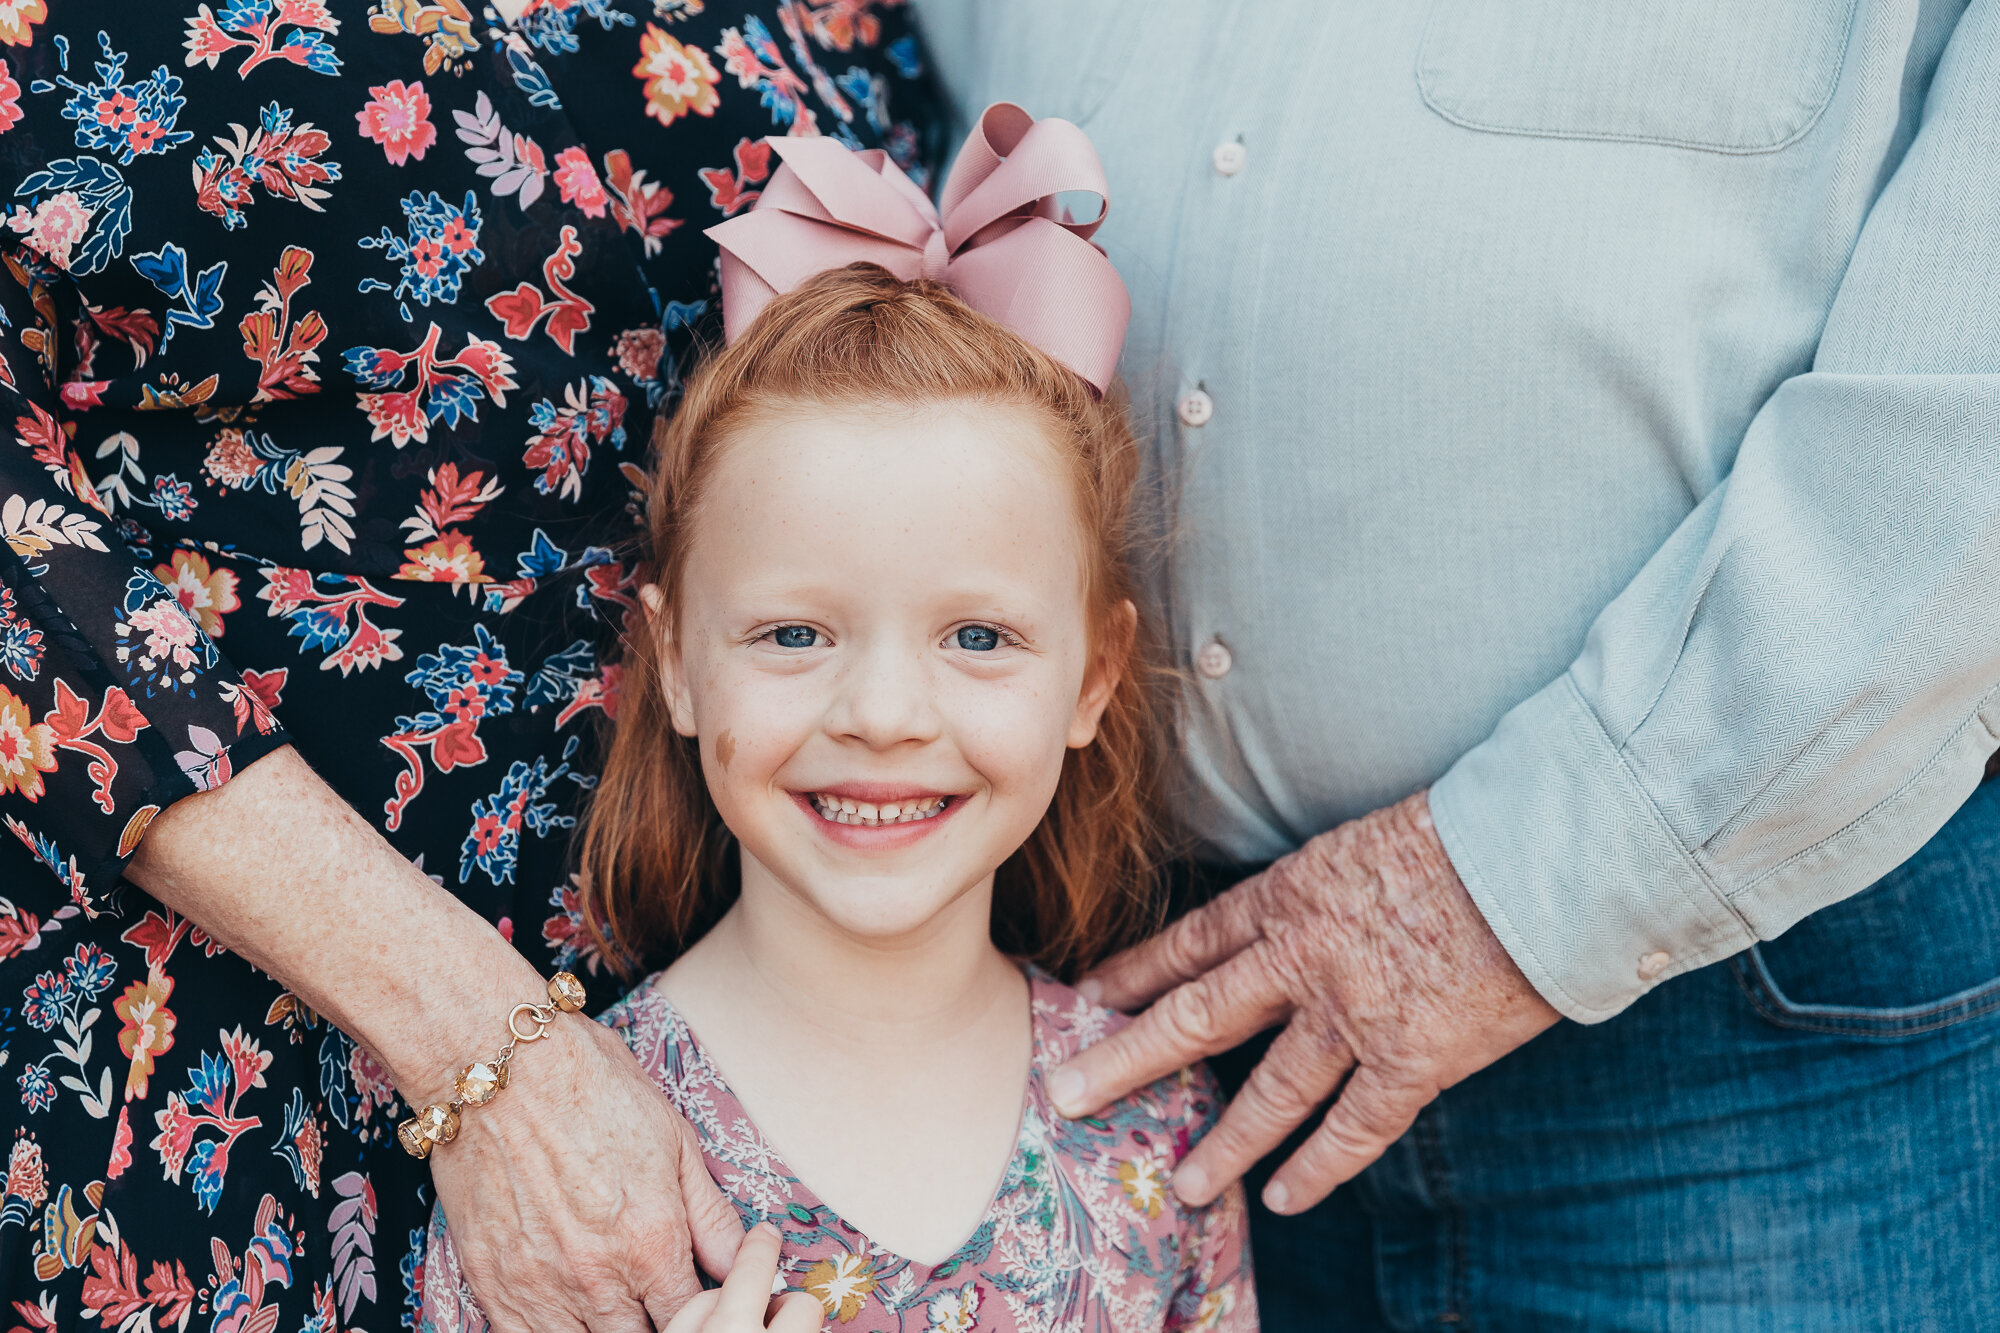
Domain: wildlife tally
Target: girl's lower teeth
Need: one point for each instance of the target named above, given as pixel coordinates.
(876, 817)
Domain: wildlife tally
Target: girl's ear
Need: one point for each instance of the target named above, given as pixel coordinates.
(1102, 677)
(673, 680)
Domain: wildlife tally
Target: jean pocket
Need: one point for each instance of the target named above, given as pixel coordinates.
(1719, 75)
(1917, 951)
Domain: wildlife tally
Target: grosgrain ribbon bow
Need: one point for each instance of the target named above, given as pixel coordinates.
(1005, 241)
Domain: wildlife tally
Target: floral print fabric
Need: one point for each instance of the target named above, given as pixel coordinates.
(331, 333)
(1083, 1233)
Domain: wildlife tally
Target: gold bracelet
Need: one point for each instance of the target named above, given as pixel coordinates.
(479, 1082)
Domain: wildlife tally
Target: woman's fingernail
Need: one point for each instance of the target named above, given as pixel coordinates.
(1276, 1197)
(1066, 1090)
(1191, 1183)
(768, 1228)
(1090, 988)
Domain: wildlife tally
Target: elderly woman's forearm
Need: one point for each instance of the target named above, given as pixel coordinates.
(275, 866)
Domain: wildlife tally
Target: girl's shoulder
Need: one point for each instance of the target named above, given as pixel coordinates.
(1170, 1115)
(654, 1030)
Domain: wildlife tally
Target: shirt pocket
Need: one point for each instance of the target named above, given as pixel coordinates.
(1723, 76)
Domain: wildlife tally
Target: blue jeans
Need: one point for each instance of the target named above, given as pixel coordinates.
(1804, 1137)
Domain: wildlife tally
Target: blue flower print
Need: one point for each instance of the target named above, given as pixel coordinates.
(47, 1000)
(552, 28)
(253, 25)
(90, 970)
(125, 118)
(78, 214)
(494, 842)
(441, 248)
(906, 56)
(20, 641)
(159, 644)
(38, 1090)
(174, 497)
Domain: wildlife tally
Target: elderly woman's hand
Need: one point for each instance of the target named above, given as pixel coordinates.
(1366, 946)
(575, 1196)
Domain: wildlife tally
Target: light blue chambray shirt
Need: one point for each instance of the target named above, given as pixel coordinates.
(1602, 424)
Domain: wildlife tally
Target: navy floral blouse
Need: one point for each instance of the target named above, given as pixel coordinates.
(331, 335)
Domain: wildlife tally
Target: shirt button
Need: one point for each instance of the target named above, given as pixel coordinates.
(1230, 158)
(1653, 964)
(1213, 660)
(1195, 408)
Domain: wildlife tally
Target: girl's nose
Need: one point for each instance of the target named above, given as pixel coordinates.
(885, 700)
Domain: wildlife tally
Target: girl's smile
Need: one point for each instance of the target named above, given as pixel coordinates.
(873, 816)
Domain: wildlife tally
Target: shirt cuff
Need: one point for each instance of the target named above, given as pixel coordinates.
(1570, 862)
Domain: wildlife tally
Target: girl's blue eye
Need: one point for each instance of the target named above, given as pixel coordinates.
(979, 638)
(795, 636)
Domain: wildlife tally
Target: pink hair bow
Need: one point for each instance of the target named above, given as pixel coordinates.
(1004, 241)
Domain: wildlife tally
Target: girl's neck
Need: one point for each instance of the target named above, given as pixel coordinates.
(888, 1074)
(774, 953)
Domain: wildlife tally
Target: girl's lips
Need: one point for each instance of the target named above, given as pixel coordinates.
(876, 836)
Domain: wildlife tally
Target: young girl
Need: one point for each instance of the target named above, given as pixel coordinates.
(881, 768)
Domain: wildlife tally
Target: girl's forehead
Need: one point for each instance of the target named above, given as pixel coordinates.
(902, 495)
(894, 462)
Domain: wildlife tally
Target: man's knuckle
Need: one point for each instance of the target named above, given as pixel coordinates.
(1193, 1010)
(1285, 1089)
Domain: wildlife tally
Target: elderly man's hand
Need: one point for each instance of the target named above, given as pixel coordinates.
(1366, 946)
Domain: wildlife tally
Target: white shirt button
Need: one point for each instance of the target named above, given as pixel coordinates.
(1195, 408)
(1230, 158)
(1213, 660)
(1653, 964)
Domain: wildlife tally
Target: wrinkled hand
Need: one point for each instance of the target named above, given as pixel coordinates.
(743, 1304)
(576, 1196)
(1366, 946)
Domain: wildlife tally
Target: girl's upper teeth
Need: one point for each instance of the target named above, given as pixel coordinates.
(844, 810)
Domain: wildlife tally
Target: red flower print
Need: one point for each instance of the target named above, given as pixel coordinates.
(27, 748)
(487, 671)
(121, 1145)
(458, 238)
(427, 256)
(118, 110)
(10, 99)
(398, 116)
(577, 179)
(457, 743)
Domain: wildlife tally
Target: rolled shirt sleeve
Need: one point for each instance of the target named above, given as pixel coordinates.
(113, 702)
(1799, 688)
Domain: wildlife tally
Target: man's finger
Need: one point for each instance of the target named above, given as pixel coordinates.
(797, 1312)
(1370, 1114)
(711, 1219)
(1214, 1012)
(1183, 951)
(1301, 1070)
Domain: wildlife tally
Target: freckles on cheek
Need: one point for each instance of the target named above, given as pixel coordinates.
(725, 749)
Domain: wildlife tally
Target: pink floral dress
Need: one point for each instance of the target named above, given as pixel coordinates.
(1082, 1234)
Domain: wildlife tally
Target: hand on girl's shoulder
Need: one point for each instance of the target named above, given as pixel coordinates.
(1183, 1105)
(1134, 1144)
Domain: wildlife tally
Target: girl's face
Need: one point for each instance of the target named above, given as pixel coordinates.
(883, 649)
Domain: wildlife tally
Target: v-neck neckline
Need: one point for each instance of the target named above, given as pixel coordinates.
(1034, 1105)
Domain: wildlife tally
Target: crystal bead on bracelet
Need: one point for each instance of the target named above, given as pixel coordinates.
(479, 1082)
